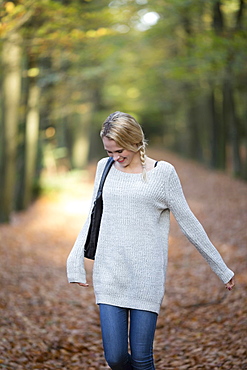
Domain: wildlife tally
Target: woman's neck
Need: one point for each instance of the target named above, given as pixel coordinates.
(135, 166)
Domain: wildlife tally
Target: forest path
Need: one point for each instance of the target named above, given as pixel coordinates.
(47, 323)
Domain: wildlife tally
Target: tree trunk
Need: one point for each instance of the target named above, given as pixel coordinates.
(80, 146)
(31, 141)
(195, 139)
(11, 59)
(229, 115)
(240, 15)
(218, 135)
(218, 21)
(97, 117)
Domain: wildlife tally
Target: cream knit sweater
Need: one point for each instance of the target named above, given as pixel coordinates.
(131, 258)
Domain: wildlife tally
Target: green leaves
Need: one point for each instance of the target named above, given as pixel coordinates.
(112, 50)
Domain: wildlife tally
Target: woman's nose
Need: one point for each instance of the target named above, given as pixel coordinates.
(116, 157)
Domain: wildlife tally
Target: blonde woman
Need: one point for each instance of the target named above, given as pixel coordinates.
(131, 258)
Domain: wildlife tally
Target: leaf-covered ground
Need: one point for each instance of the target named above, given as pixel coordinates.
(47, 323)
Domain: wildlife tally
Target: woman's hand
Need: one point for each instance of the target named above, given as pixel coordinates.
(81, 284)
(230, 284)
(85, 285)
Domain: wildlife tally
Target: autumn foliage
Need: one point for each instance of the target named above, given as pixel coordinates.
(47, 323)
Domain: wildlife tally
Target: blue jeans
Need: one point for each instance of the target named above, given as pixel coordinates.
(114, 327)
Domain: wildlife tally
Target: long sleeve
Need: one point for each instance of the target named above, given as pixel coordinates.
(131, 260)
(193, 230)
(75, 262)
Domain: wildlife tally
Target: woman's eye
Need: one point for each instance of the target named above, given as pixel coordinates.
(117, 151)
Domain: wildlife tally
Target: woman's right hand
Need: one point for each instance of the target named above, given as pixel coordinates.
(81, 284)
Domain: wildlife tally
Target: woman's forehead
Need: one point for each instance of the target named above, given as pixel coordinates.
(110, 144)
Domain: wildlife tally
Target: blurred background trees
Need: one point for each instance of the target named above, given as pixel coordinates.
(178, 66)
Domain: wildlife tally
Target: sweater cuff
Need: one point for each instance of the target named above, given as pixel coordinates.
(77, 279)
(227, 276)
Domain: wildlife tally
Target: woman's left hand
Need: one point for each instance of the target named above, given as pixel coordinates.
(230, 284)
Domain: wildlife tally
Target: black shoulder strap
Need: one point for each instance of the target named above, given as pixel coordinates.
(108, 165)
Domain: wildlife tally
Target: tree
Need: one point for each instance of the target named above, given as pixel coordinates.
(46, 28)
(11, 84)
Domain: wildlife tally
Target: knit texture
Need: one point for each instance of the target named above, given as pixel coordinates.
(131, 258)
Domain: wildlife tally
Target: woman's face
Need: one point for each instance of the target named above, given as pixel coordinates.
(123, 156)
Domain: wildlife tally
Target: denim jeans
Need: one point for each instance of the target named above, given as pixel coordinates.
(114, 327)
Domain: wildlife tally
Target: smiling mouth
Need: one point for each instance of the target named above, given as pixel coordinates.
(121, 160)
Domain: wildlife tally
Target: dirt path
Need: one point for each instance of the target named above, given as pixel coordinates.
(48, 324)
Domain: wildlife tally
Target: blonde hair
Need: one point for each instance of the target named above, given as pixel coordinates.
(127, 133)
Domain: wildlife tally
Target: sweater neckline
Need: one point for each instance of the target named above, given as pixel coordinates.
(132, 173)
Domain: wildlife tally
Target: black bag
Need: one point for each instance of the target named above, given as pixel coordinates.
(93, 231)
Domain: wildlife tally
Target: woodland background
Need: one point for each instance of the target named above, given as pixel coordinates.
(47, 324)
(179, 66)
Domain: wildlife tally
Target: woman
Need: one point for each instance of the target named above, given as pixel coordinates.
(131, 257)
